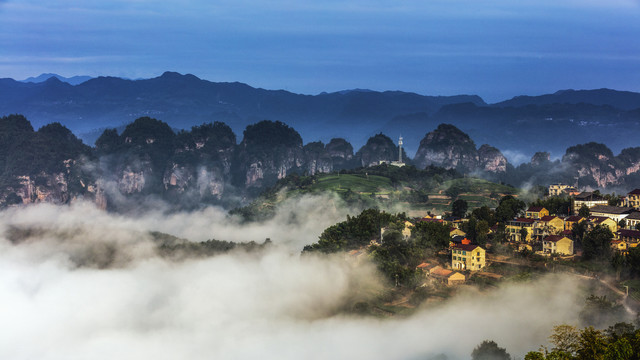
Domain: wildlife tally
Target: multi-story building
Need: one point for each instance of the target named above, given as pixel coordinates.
(468, 257)
(589, 199)
(514, 227)
(536, 212)
(557, 244)
(603, 220)
(561, 189)
(569, 221)
(615, 213)
(633, 199)
(633, 220)
(548, 225)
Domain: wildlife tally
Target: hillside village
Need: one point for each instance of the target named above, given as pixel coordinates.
(596, 235)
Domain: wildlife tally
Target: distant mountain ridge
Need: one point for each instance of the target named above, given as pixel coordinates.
(522, 126)
(624, 100)
(74, 80)
(185, 100)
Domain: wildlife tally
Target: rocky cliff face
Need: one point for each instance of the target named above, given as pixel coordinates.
(205, 165)
(341, 153)
(448, 147)
(378, 148)
(268, 152)
(540, 158)
(491, 160)
(595, 164)
(317, 159)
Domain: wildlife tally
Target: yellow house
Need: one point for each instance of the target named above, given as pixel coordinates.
(548, 225)
(629, 236)
(468, 257)
(536, 212)
(601, 220)
(406, 231)
(633, 199)
(557, 244)
(455, 278)
(619, 246)
(514, 226)
(569, 221)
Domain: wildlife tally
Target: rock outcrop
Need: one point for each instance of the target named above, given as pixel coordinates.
(491, 160)
(268, 152)
(379, 148)
(594, 163)
(540, 158)
(447, 147)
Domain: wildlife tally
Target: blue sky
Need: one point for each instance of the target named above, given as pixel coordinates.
(496, 49)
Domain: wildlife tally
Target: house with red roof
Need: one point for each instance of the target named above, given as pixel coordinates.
(548, 225)
(557, 244)
(633, 199)
(467, 256)
(514, 227)
(569, 221)
(536, 212)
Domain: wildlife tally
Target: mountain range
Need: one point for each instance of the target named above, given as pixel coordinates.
(519, 127)
(208, 165)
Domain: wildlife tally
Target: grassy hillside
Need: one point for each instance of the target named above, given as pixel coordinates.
(361, 184)
(476, 192)
(399, 189)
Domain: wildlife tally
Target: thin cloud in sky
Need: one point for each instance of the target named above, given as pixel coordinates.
(266, 43)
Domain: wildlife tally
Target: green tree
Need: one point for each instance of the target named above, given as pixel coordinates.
(431, 235)
(484, 213)
(592, 344)
(523, 234)
(578, 230)
(508, 208)
(597, 243)
(618, 263)
(459, 208)
(482, 230)
(534, 355)
(584, 211)
(489, 350)
(619, 350)
(565, 338)
(622, 223)
(470, 227)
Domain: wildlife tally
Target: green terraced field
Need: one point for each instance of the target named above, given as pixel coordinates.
(378, 185)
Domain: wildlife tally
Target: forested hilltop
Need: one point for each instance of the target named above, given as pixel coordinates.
(209, 165)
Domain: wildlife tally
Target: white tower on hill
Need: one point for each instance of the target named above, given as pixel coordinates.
(399, 162)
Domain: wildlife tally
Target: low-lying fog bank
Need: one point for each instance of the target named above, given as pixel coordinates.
(271, 305)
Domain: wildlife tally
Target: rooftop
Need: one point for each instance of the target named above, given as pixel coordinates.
(554, 238)
(606, 209)
(634, 216)
(438, 271)
(535, 208)
(598, 219)
(588, 196)
(573, 218)
(523, 220)
(548, 218)
(634, 192)
(629, 233)
(465, 247)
